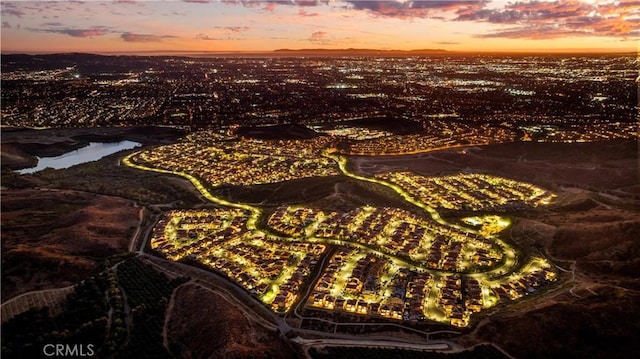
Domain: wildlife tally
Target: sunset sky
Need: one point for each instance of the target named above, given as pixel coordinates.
(265, 25)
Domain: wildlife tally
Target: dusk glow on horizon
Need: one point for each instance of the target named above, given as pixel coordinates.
(127, 26)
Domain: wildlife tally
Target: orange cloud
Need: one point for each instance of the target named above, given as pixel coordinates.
(302, 12)
(546, 20)
(318, 37)
(205, 37)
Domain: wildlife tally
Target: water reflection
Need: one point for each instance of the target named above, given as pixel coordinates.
(92, 152)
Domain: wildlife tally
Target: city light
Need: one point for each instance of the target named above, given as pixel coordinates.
(391, 263)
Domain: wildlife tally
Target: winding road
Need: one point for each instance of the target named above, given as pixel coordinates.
(266, 318)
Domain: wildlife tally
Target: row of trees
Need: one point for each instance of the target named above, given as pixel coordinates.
(96, 313)
(83, 321)
(148, 293)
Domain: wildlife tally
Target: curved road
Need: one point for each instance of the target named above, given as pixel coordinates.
(511, 259)
(239, 296)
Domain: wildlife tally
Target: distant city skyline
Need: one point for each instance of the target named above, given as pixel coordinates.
(127, 26)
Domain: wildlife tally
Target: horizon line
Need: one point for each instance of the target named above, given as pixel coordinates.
(327, 51)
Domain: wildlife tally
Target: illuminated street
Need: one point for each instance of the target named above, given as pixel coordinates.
(390, 263)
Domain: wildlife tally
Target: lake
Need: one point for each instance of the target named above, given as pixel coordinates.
(92, 152)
